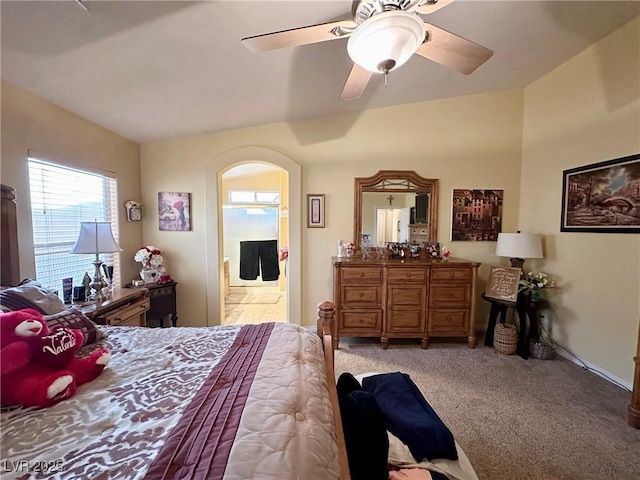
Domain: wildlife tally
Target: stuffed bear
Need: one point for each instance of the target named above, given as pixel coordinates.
(38, 368)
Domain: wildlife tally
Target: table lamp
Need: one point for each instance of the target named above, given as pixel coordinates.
(518, 246)
(96, 238)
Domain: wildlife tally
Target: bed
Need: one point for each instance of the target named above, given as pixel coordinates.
(230, 402)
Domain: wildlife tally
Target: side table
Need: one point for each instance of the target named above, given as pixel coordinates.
(162, 297)
(525, 310)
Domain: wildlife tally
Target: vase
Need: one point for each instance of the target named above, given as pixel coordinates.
(534, 295)
(149, 275)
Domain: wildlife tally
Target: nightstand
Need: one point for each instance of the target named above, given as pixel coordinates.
(126, 307)
(162, 297)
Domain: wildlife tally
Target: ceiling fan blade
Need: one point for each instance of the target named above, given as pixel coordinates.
(432, 7)
(299, 36)
(453, 51)
(356, 83)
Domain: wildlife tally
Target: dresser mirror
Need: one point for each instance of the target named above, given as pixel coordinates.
(396, 206)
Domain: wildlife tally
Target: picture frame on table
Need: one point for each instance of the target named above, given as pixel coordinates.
(315, 210)
(504, 283)
(602, 197)
(433, 249)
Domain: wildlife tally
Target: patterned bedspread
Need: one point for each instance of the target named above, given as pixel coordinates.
(149, 400)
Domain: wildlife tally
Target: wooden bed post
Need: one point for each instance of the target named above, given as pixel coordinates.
(326, 317)
(9, 229)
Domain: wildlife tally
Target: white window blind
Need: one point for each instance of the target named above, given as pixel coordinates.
(61, 198)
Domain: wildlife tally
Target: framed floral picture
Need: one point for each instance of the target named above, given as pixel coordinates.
(174, 211)
(315, 210)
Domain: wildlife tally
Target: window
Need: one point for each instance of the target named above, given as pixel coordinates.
(247, 197)
(61, 198)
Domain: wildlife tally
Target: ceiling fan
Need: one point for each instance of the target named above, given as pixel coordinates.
(383, 35)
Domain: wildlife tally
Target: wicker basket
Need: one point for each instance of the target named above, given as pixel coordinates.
(541, 349)
(505, 338)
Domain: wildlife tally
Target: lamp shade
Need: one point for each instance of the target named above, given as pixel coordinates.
(519, 245)
(95, 237)
(386, 41)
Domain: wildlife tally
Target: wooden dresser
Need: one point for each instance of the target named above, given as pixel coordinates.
(126, 307)
(404, 298)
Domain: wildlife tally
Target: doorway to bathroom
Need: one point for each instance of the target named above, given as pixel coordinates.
(255, 230)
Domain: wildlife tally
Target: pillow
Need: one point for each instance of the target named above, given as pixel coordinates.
(31, 294)
(74, 318)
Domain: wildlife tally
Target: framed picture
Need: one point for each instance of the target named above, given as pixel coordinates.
(602, 197)
(476, 215)
(503, 283)
(174, 211)
(315, 210)
(433, 249)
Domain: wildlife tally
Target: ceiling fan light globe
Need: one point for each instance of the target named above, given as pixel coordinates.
(393, 35)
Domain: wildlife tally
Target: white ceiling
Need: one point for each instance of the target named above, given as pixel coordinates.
(157, 70)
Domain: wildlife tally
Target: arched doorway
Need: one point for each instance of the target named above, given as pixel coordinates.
(214, 170)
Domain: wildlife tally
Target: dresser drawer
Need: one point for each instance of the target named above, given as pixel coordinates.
(405, 295)
(397, 275)
(448, 322)
(133, 314)
(161, 292)
(361, 296)
(405, 320)
(361, 275)
(446, 295)
(361, 321)
(451, 274)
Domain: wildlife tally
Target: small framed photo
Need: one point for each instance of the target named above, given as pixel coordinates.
(315, 210)
(504, 283)
(433, 249)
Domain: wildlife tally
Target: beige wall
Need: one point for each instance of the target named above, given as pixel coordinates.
(468, 142)
(31, 123)
(586, 111)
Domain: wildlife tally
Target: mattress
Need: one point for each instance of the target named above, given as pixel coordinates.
(230, 402)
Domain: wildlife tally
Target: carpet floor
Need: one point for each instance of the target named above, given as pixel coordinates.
(516, 419)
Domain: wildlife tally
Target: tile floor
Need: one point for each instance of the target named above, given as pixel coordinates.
(240, 313)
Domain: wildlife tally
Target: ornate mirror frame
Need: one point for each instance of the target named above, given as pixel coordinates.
(396, 181)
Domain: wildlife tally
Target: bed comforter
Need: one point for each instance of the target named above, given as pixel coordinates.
(235, 402)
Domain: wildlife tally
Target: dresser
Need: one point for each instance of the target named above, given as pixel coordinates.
(126, 307)
(404, 298)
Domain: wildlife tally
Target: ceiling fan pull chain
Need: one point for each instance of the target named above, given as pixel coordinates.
(385, 79)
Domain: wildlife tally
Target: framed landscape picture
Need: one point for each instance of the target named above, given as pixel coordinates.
(602, 197)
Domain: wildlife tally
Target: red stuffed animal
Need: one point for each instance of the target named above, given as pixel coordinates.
(38, 368)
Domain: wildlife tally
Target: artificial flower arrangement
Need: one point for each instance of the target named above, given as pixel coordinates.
(533, 282)
(351, 248)
(149, 257)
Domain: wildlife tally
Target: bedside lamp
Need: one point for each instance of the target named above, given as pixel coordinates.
(518, 246)
(96, 238)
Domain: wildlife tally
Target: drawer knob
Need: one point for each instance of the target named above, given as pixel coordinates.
(408, 275)
(361, 274)
(451, 275)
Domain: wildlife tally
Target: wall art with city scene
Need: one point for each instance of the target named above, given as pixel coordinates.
(174, 211)
(602, 197)
(476, 215)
